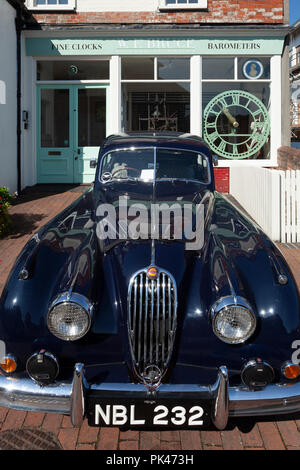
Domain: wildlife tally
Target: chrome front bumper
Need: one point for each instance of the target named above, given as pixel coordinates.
(69, 398)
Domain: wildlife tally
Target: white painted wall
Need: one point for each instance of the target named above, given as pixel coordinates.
(104, 5)
(117, 5)
(8, 99)
(28, 100)
(113, 5)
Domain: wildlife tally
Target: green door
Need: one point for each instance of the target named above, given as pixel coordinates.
(72, 122)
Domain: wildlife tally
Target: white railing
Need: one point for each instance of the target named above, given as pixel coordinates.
(290, 206)
(271, 198)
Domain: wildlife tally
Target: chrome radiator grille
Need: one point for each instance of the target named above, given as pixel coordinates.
(152, 315)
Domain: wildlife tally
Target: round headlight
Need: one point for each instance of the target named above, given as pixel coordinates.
(233, 320)
(69, 317)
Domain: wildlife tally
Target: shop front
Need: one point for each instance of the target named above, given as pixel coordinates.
(226, 89)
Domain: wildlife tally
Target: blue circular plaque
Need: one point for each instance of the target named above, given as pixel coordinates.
(253, 69)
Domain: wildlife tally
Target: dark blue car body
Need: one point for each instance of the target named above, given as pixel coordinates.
(236, 256)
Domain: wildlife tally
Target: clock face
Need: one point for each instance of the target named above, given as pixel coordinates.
(236, 124)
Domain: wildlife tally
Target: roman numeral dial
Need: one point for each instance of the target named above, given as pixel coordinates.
(236, 124)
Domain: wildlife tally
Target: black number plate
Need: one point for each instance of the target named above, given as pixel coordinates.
(148, 414)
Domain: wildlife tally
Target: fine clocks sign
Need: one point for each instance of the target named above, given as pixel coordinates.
(236, 124)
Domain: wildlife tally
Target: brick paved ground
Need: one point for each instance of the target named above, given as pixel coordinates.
(31, 212)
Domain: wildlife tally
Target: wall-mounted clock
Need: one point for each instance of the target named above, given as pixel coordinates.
(236, 124)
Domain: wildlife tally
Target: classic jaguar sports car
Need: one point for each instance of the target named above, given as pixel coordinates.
(151, 301)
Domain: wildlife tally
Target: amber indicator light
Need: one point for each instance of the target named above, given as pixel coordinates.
(8, 364)
(291, 371)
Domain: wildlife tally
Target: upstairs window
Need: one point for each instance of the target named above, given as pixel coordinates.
(182, 4)
(51, 4)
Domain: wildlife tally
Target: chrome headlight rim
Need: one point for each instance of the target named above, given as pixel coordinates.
(226, 303)
(75, 299)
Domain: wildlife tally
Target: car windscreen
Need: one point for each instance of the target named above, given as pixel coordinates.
(181, 164)
(128, 164)
(140, 164)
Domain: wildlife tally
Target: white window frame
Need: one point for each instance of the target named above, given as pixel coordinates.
(201, 4)
(31, 5)
(275, 109)
(158, 80)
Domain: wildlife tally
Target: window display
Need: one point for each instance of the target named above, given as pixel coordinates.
(236, 120)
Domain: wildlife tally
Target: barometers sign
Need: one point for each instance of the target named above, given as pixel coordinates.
(153, 45)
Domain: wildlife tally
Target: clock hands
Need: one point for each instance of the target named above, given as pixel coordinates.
(230, 118)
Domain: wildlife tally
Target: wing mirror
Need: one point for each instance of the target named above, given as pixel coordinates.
(215, 160)
(93, 162)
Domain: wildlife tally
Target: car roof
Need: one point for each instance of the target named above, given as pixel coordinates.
(153, 139)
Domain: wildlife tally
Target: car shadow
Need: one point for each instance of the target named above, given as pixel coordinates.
(39, 191)
(246, 424)
(24, 224)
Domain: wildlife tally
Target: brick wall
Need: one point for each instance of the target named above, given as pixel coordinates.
(222, 179)
(288, 158)
(218, 11)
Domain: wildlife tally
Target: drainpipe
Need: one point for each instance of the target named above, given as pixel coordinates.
(19, 25)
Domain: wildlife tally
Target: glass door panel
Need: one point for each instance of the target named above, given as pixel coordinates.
(55, 133)
(54, 136)
(91, 130)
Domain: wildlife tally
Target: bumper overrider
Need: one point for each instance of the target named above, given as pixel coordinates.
(23, 393)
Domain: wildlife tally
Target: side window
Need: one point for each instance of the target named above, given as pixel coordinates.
(182, 4)
(51, 4)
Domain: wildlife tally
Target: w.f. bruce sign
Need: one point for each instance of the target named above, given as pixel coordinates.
(152, 45)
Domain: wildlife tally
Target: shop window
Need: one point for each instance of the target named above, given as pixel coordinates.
(213, 69)
(156, 94)
(150, 68)
(182, 4)
(170, 69)
(72, 70)
(156, 107)
(51, 4)
(137, 68)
